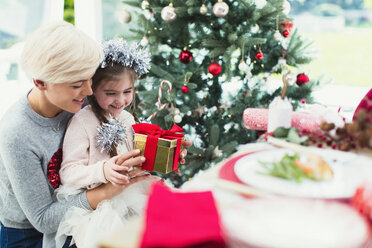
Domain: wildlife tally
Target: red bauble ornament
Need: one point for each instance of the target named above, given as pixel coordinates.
(302, 78)
(259, 55)
(286, 33)
(215, 69)
(185, 89)
(185, 56)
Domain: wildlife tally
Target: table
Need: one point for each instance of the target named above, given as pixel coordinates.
(225, 194)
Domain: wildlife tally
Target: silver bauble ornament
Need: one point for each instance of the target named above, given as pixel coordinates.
(124, 16)
(168, 13)
(278, 36)
(260, 3)
(203, 9)
(255, 28)
(145, 4)
(220, 9)
(177, 118)
(286, 7)
(243, 66)
(291, 78)
(144, 42)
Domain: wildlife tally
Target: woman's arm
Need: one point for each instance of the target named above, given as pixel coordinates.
(31, 194)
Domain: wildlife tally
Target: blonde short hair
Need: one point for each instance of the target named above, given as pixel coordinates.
(60, 53)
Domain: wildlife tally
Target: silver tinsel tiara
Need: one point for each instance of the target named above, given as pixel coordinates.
(118, 51)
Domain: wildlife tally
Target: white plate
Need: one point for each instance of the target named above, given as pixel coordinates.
(350, 171)
(290, 222)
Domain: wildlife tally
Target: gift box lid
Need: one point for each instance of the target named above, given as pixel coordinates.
(168, 143)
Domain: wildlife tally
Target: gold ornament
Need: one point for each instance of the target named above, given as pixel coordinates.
(203, 9)
(145, 4)
(124, 16)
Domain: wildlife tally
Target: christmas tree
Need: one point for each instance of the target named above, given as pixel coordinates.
(201, 46)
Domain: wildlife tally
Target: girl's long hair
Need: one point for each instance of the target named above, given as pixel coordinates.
(111, 73)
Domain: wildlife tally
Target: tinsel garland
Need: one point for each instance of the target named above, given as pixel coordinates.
(110, 133)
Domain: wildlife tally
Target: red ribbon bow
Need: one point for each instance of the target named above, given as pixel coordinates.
(154, 132)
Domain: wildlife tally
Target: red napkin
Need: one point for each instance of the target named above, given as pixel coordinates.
(365, 103)
(175, 219)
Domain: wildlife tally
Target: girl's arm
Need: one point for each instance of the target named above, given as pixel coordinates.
(76, 169)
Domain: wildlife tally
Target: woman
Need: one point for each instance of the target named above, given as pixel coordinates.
(61, 61)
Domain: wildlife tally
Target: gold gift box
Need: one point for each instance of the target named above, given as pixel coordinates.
(164, 153)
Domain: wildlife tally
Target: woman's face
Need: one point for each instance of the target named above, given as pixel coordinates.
(114, 95)
(68, 96)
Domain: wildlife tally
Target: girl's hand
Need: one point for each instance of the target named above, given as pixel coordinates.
(116, 169)
(183, 152)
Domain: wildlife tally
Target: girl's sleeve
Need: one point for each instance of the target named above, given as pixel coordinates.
(76, 169)
(30, 185)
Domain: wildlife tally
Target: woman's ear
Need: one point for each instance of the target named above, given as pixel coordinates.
(40, 84)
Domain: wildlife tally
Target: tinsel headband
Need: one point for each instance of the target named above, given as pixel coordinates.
(118, 51)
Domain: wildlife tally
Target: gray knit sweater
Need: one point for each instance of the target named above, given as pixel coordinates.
(27, 143)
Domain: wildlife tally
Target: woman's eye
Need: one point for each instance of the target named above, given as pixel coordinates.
(127, 92)
(110, 94)
(76, 87)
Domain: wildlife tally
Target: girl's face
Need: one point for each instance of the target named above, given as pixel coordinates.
(115, 94)
(67, 96)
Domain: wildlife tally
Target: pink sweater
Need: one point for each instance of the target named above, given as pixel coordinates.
(82, 164)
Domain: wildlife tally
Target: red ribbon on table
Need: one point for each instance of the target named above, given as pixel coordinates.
(154, 132)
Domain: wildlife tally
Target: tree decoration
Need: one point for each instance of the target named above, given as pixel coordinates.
(243, 66)
(185, 88)
(259, 55)
(168, 13)
(159, 105)
(220, 9)
(277, 34)
(286, 7)
(203, 9)
(145, 4)
(255, 29)
(185, 56)
(286, 33)
(124, 16)
(260, 3)
(144, 42)
(215, 69)
(287, 28)
(177, 117)
(302, 78)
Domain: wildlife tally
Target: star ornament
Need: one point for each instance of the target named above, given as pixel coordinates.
(200, 110)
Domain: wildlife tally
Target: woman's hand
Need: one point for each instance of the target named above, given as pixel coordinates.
(117, 168)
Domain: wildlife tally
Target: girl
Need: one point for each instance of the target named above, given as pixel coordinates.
(60, 60)
(85, 147)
